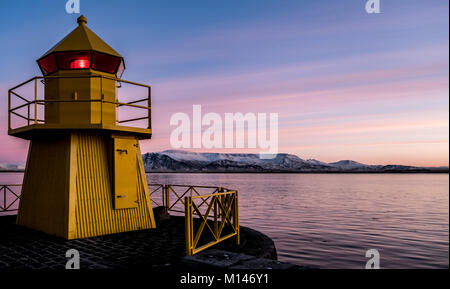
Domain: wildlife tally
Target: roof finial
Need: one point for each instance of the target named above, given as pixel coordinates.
(81, 20)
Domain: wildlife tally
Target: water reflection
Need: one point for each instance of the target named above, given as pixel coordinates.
(331, 220)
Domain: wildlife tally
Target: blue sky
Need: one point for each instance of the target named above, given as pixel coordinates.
(345, 83)
(210, 36)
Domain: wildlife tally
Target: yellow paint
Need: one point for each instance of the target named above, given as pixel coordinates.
(77, 91)
(82, 38)
(125, 170)
(31, 131)
(51, 104)
(95, 212)
(70, 194)
(224, 208)
(45, 190)
(85, 174)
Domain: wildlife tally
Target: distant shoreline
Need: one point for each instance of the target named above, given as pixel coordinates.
(349, 172)
(318, 172)
(178, 161)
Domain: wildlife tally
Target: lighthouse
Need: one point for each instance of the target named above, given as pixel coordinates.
(84, 174)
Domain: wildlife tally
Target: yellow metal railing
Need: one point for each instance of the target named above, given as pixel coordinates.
(216, 209)
(33, 105)
(224, 208)
(175, 194)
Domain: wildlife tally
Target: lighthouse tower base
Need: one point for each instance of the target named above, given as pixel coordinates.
(80, 185)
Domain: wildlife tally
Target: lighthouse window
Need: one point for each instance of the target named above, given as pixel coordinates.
(104, 62)
(79, 64)
(48, 64)
(121, 69)
(74, 59)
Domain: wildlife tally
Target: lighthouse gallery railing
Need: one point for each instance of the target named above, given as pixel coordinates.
(217, 211)
(32, 106)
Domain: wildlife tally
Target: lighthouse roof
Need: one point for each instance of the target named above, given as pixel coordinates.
(82, 38)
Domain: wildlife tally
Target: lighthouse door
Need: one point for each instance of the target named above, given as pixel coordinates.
(125, 172)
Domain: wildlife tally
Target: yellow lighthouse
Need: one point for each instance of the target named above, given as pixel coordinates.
(84, 175)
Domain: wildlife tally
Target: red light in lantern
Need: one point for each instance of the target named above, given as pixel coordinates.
(79, 64)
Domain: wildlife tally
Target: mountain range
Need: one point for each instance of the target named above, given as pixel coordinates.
(184, 161)
(171, 161)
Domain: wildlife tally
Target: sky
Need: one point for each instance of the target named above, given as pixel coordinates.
(373, 88)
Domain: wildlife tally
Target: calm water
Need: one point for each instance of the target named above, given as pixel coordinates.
(331, 220)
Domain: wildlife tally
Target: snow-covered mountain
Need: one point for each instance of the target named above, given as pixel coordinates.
(184, 161)
(349, 165)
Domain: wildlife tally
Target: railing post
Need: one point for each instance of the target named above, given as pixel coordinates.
(187, 225)
(167, 198)
(216, 218)
(9, 109)
(149, 104)
(35, 100)
(220, 190)
(236, 218)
